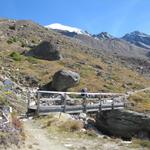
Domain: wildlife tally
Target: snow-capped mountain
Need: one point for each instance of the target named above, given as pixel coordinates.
(138, 38)
(57, 26)
(104, 35)
(104, 41)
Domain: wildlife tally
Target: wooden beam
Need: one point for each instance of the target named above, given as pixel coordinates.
(38, 103)
(79, 93)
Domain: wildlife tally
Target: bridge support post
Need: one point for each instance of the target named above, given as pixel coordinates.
(113, 104)
(38, 102)
(100, 104)
(125, 101)
(65, 102)
(84, 105)
(28, 100)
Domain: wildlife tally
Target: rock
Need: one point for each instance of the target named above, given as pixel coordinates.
(68, 145)
(62, 116)
(124, 123)
(28, 80)
(1, 84)
(46, 50)
(83, 130)
(64, 79)
(82, 116)
(98, 67)
(8, 84)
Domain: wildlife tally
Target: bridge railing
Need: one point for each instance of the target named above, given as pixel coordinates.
(84, 98)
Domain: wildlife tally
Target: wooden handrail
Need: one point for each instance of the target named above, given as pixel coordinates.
(79, 93)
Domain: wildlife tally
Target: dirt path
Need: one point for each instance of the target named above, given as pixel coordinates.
(38, 140)
(137, 91)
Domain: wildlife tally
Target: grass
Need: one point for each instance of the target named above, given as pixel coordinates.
(111, 80)
(71, 125)
(61, 124)
(44, 70)
(32, 60)
(64, 127)
(142, 143)
(16, 56)
(12, 40)
(141, 101)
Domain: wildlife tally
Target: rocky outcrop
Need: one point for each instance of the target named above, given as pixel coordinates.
(46, 50)
(123, 123)
(64, 79)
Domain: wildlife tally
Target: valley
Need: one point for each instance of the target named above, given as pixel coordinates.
(69, 59)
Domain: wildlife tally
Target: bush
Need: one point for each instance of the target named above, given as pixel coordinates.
(12, 27)
(12, 40)
(3, 100)
(16, 56)
(71, 125)
(16, 122)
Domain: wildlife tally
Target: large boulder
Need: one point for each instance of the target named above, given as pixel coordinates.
(124, 123)
(64, 79)
(47, 50)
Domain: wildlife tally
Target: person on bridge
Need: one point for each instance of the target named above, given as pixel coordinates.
(84, 95)
(84, 92)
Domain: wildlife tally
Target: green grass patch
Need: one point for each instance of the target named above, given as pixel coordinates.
(16, 56)
(32, 60)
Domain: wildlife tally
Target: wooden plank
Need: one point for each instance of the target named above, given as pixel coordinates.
(79, 111)
(79, 108)
(50, 99)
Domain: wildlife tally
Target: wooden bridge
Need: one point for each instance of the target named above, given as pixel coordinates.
(74, 102)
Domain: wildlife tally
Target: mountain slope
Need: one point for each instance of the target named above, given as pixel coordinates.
(103, 42)
(138, 38)
(99, 70)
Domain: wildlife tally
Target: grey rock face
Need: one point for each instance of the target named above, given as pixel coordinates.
(64, 79)
(124, 123)
(47, 50)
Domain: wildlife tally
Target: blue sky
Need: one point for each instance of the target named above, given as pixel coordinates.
(114, 16)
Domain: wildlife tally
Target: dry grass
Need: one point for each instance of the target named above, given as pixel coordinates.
(61, 124)
(142, 143)
(65, 127)
(71, 126)
(111, 79)
(83, 63)
(141, 101)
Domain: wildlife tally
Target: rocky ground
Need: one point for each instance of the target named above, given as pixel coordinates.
(41, 138)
